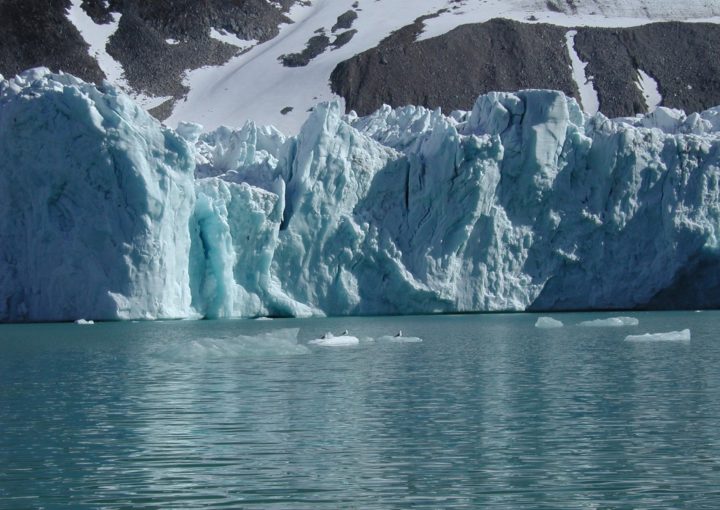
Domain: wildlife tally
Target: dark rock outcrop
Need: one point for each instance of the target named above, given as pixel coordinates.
(345, 20)
(451, 70)
(38, 33)
(681, 57)
(314, 47)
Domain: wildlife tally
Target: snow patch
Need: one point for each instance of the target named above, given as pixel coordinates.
(97, 37)
(600, 13)
(588, 94)
(650, 91)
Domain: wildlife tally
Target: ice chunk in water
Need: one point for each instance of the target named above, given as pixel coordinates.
(400, 339)
(84, 322)
(670, 336)
(336, 341)
(548, 323)
(612, 322)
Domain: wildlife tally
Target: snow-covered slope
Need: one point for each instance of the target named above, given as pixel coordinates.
(523, 202)
(256, 86)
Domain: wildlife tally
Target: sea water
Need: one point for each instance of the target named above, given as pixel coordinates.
(488, 411)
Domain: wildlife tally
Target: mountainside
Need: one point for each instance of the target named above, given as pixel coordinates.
(523, 203)
(222, 62)
(450, 70)
(143, 46)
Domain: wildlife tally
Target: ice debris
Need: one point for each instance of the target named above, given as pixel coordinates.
(400, 339)
(670, 336)
(523, 203)
(612, 322)
(281, 342)
(548, 323)
(84, 322)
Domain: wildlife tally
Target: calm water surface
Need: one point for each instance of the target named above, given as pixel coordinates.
(487, 412)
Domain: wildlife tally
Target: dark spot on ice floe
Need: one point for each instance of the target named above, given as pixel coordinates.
(286, 110)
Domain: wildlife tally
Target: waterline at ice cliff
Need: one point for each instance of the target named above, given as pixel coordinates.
(522, 203)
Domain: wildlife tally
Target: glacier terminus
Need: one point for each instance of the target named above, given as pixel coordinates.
(523, 203)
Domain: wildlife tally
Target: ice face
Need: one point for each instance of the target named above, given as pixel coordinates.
(523, 203)
(95, 202)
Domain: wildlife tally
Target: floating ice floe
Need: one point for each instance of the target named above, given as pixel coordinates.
(400, 339)
(548, 323)
(612, 322)
(670, 336)
(84, 322)
(330, 340)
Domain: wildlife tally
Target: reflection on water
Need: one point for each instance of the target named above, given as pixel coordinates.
(487, 411)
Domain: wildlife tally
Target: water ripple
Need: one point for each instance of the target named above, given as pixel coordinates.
(486, 412)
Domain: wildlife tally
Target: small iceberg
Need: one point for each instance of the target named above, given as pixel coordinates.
(330, 340)
(84, 322)
(548, 323)
(670, 336)
(612, 322)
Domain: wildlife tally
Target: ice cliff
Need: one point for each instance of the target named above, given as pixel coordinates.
(524, 202)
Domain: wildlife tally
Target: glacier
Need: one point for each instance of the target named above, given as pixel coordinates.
(523, 203)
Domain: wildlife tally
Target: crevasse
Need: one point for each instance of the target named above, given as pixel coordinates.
(523, 203)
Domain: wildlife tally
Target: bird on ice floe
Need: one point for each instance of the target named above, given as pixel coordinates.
(330, 340)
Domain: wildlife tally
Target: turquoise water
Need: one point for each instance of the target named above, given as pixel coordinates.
(487, 412)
